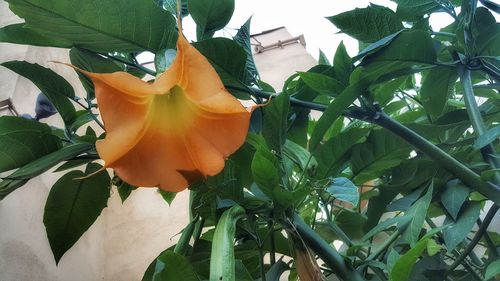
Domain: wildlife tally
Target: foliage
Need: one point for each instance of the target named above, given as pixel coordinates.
(399, 167)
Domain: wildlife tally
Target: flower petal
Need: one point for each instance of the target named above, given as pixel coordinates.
(173, 131)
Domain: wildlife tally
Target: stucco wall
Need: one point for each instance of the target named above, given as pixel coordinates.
(277, 64)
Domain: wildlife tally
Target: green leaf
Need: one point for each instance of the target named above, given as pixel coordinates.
(385, 224)
(275, 122)
(91, 62)
(437, 87)
(417, 213)
(368, 24)
(333, 111)
(402, 268)
(39, 166)
(385, 92)
(376, 46)
(167, 196)
(321, 83)
(342, 64)
(492, 270)
(333, 155)
(487, 137)
(222, 259)
(56, 88)
(457, 232)
(100, 25)
(379, 153)
(299, 155)
(414, 9)
(73, 205)
(23, 140)
(454, 196)
(228, 59)
(265, 171)
(242, 37)
(124, 190)
(172, 266)
(344, 190)
(19, 34)
(210, 15)
(433, 247)
(402, 48)
(323, 59)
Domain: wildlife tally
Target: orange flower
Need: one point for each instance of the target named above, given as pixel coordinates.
(171, 132)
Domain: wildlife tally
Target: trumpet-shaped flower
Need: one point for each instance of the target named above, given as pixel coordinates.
(171, 132)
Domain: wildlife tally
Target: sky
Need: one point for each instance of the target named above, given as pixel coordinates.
(302, 17)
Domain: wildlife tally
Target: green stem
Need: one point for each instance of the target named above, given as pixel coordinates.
(89, 110)
(138, 66)
(466, 175)
(272, 253)
(340, 233)
(476, 119)
(326, 252)
(261, 264)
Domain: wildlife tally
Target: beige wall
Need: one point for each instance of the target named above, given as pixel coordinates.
(277, 64)
(124, 239)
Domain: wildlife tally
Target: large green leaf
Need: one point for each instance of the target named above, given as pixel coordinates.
(459, 230)
(275, 122)
(413, 9)
(487, 137)
(382, 151)
(222, 260)
(265, 171)
(417, 214)
(210, 15)
(23, 140)
(172, 266)
(368, 24)
(333, 111)
(403, 48)
(55, 87)
(333, 154)
(243, 39)
(344, 190)
(39, 166)
(73, 205)
(436, 89)
(342, 64)
(105, 25)
(321, 83)
(19, 34)
(454, 196)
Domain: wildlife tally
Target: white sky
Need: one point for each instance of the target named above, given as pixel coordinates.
(302, 17)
